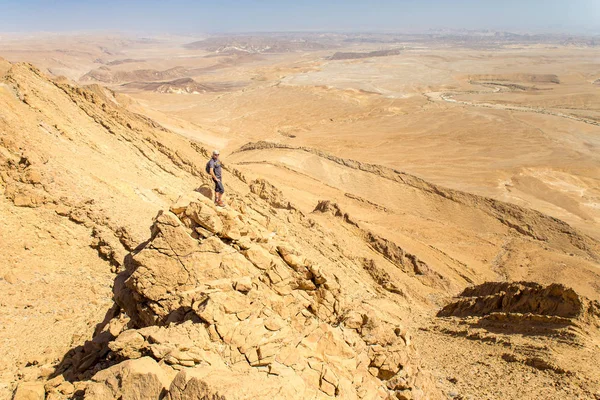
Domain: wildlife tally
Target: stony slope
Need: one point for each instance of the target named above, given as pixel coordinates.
(463, 237)
(121, 279)
(525, 221)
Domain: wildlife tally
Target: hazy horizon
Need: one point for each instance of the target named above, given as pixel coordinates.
(189, 17)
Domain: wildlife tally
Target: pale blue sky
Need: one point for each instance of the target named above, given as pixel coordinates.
(187, 16)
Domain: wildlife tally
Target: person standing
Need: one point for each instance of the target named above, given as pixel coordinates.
(214, 169)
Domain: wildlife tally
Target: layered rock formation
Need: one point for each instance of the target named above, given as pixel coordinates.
(216, 293)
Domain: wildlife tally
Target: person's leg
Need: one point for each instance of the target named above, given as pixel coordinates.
(219, 193)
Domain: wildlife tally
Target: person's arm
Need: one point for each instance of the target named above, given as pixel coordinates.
(212, 173)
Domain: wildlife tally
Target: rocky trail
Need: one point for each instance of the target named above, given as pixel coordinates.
(121, 279)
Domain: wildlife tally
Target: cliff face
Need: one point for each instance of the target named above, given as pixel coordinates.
(122, 279)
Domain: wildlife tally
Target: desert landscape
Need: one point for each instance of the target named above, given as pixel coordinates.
(409, 216)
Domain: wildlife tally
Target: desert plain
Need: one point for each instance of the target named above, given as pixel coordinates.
(409, 216)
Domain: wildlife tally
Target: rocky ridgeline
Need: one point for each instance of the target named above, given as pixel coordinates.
(529, 321)
(526, 222)
(216, 305)
(509, 307)
(341, 55)
(407, 262)
(521, 297)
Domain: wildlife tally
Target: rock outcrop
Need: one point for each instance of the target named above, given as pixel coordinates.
(140, 378)
(495, 310)
(243, 315)
(269, 193)
(407, 262)
(523, 298)
(528, 321)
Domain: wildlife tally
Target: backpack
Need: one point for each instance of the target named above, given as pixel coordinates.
(208, 167)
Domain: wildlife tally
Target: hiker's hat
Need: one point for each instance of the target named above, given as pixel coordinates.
(216, 152)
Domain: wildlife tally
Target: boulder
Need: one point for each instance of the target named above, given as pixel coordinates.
(184, 201)
(232, 224)
(244, 284)
(205, 215)
(259, 256)
(128, 344)
(30, 391)
(206, 383)
(140, 379)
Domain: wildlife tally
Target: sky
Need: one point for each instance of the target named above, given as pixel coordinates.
(190, 17)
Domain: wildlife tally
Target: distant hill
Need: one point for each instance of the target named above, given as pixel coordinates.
(182, 86)
(530, 78)
(255, 44)
(107, 75)
(352, 55)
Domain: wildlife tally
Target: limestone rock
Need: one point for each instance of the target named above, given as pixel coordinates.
(354, 320)
(130, 380)
(205, 216)
(205, 383)
(51, 384)
(232, 224)
(182, 203)
(128, 344)
(259, 256)
(244, 284)
(265, 321)
(30, 391)
(269, 193)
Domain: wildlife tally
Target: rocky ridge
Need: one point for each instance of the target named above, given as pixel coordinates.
(107, 75)
(407, 262)
(528, 320)
(526, 222)
(214, 290)
(341, 55)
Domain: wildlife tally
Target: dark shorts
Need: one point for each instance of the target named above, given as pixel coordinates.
(219, 187)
